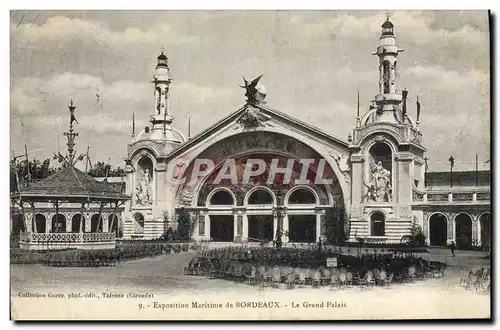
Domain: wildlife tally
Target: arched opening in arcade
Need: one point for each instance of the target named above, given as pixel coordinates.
(221, 223)
(260, 219)
(485, 224)
(438, 229)
(59, 223)
(17, 224)
(39, 223)
(78, 223)
(463, 231)
(138, 223)
(302, 227)
(96, 223)
(377, 224)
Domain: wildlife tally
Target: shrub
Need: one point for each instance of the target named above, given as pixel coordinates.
(176, 248)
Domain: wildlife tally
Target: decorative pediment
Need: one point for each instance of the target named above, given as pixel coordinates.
(253, 118)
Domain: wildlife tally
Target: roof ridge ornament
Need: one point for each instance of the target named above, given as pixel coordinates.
(255, 93)
(71, 135)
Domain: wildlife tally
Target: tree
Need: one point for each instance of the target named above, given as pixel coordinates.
(184, 224)
(334, 225)
(36, 168)
(101, 170)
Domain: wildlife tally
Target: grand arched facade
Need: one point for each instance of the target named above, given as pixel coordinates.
(233, 210)
(378, 174)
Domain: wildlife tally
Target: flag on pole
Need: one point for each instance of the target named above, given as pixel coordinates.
(133, 124)
(418, 110)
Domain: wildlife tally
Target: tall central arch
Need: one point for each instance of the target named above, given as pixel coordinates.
(268, 147)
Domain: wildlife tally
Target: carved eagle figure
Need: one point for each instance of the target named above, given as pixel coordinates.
(253, 93)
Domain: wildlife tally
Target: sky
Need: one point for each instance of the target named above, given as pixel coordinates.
(313, 62)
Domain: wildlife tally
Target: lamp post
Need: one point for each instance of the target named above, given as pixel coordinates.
(279, 211)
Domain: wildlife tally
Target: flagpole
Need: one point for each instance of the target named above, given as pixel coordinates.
(27, 162)
(405, 95)
(87, 160)
(357, 113)
(477, 179)
(425, 172)
(452, 163)
(133, 124)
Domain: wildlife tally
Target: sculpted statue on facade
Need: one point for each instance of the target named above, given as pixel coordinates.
(379, 189)
(343, 164)
(143, 189)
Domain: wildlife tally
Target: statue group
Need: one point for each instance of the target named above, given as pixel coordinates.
(379, 189)
(143, 189)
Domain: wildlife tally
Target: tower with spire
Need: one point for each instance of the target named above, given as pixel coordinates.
(160, 130)
(388, 100)
(386, 152)
(146, 161)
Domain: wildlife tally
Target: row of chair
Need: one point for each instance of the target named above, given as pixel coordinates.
(476, 279)
(291, 276)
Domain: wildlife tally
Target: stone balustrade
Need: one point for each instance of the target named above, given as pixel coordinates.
(49, 241)
(462, 196)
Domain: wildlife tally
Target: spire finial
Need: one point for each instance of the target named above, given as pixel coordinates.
(162, 49)
(387, 15)
(71, 135)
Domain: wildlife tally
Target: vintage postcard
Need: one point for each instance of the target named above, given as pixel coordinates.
(154, 177)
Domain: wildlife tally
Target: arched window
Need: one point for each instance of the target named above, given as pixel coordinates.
(58, 223)
(386, 76)
(96, 223)
(138, 223)
(377, 224)
(395, 71)
(302, 196)
(39, 223)
(158, 100)
(76, 225)
(260, 196)
(222, 197)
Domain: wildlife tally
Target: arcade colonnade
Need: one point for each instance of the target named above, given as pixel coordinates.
(223, 220)
(66, 221)
(471, 228)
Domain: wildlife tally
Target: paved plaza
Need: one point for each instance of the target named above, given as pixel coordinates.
(163, 278)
